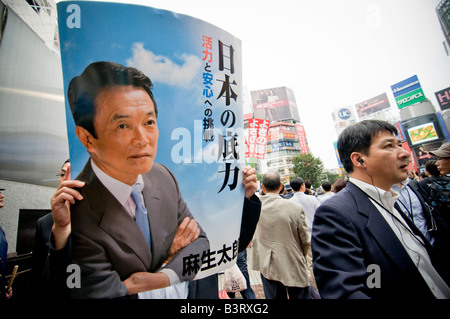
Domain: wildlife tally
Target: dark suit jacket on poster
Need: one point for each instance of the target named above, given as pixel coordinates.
(349, 234)
(107, 243)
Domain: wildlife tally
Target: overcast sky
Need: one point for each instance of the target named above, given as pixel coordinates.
(332, 53)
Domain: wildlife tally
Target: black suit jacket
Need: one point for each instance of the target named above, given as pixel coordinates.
(349, 234)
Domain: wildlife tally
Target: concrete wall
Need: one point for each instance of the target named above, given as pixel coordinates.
(21, 196)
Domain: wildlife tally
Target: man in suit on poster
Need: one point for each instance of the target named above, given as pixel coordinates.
(115, 116)
(362, 246)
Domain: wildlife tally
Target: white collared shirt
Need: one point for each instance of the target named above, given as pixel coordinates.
(121, 191)
(310, 204)
(411, 243)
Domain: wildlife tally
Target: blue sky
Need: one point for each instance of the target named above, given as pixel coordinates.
(168, 49)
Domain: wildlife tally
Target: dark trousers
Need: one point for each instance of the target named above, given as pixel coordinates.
(276, 290)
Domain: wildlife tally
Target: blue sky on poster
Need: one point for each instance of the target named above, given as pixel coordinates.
(331, 53)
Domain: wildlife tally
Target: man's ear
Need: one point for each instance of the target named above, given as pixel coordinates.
(85, 137)
(281, 187)
(357, 159)
(263, 188)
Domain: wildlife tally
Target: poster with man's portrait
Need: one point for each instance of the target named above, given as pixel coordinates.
(187, 120)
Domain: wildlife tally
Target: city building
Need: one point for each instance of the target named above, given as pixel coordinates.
(286, 137)
(443, 13)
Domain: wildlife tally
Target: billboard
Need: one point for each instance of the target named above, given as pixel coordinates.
(422, 154)
(422, 129)
(274, 104)
(281, 146)
(373, 105)
(343, 117)
(443, 98)
(257, 138)
(423, 133)
(408, 92)
(302, 138)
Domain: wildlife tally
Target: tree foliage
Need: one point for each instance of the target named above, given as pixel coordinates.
(308, 167)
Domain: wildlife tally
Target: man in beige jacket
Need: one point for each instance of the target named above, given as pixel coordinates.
(281, 244)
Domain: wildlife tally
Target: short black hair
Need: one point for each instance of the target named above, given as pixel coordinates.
(358, 138)
(67, 161)
(84, 89)
(430, 167)
(271, 181)
(296, 183)
(308, 184)
(326, 186)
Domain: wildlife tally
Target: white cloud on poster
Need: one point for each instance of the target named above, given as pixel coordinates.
(162, 69)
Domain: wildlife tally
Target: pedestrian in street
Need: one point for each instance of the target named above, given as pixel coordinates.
(281, 244)
(436, 191)
(327, 193)
(362, 245)
(413, 204)
(443, 155)
(339, 185)
(309, 203)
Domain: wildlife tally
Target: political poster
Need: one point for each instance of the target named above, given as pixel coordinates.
(257, 138)
(195, 71)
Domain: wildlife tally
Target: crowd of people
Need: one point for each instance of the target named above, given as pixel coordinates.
(378, 234)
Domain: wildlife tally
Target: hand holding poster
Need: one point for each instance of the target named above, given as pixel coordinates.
(153, 99)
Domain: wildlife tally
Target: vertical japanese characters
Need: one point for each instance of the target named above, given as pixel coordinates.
(228, 146)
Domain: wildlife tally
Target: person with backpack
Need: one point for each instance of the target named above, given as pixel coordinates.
(436, 189)
(443, 155)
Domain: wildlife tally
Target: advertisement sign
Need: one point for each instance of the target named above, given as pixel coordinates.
(421, 130)
(343, 117)
(281, 146)
(279, 136)
(422, 133)
(257, 138)
(170, 87)
(405, 86)
(302, 138)
(443, 98)
(274, 104)
(409, 98)
(373, 105)
(408, 92)
(422, 152)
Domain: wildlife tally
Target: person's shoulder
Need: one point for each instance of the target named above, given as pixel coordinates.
(311, 198)
(160, 171)
(342, 202)
(45, 220)
(161, 176)
(444, 178)
(290, 203)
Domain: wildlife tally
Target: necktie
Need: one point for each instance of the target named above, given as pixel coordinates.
(141, 212)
